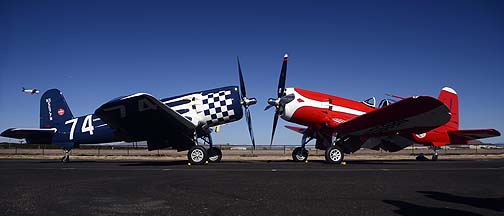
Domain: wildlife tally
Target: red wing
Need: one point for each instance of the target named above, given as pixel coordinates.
(297, 129)
(411, 115)
(474, 134)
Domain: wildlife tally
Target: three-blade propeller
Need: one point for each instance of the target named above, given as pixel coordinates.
(246, 102)
(282, 99)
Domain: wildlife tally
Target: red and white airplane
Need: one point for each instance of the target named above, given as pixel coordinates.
(342, 126)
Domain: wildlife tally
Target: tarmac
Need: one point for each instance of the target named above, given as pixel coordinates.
(280, 187)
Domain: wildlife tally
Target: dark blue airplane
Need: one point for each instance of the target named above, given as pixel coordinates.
(178, 122)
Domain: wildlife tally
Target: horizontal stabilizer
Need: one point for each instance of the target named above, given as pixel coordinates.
(32, 135)
(474, 134)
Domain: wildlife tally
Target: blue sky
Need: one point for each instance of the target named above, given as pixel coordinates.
(95, 51)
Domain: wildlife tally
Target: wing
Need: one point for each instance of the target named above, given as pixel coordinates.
(411, 115)
(140, 117)
(297, 129)
(32, 135)
(474, 134)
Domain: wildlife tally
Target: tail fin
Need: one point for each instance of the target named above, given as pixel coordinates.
(54, 110)
(450, 98)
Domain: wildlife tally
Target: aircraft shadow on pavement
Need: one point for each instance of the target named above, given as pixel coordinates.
(495, 204)
(406, 208)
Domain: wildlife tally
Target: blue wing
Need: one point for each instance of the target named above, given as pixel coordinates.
(141, 117)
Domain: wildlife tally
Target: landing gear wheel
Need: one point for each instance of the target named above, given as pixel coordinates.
(197, 155)
(434, 157)
(334, 155)
(299, 154)
(214, 155)
(66, 156)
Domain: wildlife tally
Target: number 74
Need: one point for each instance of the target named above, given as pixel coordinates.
(87, 126)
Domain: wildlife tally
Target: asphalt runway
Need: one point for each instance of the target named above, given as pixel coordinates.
(48, 187)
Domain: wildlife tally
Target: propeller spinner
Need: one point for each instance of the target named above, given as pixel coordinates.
(246, 102)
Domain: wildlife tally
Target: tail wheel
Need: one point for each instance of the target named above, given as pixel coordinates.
(299, 154)
(214, 155)
(65, 159)
(435, 156)
(334, 155)
(197, 155)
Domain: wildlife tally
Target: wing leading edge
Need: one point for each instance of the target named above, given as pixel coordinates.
(140, 117)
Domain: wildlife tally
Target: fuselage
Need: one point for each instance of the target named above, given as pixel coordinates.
(316, 110)
(204, 109)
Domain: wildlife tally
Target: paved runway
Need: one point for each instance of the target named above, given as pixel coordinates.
(47, 187)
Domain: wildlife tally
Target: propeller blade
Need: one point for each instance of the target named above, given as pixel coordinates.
(249, 123)
(267, 107)
(286, 99)
(242, 83)
(246, 102)
(283, 74)
(275, 121)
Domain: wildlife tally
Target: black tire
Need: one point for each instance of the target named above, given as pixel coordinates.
(197, 155)
(334, 155)
(421, 157)
(299, 154)
(214, 155)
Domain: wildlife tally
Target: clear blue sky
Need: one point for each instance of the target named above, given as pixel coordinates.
(97, 50)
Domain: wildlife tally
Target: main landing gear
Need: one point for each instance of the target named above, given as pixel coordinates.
(300, 154)
(333, 154)
(198, 155)
(66, 156)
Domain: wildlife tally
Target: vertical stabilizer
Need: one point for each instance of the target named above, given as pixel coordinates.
(450, 98)
(54, 110)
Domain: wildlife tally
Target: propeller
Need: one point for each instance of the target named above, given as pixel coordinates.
(282, 99)
(246, 102)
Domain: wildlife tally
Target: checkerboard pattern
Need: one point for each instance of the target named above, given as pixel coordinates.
(217, 107)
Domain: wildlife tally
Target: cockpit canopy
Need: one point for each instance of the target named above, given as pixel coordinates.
(372, 102)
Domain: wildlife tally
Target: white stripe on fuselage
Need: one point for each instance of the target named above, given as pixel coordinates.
(195, 115)
(291, 107)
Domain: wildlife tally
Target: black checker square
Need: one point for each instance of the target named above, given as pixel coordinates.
(207, 112)
(212, 105)
(222, 93)
(205, 101)
(218, 109)
(221, 119)
(225, 113)
(213, 116)
(223, 103)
